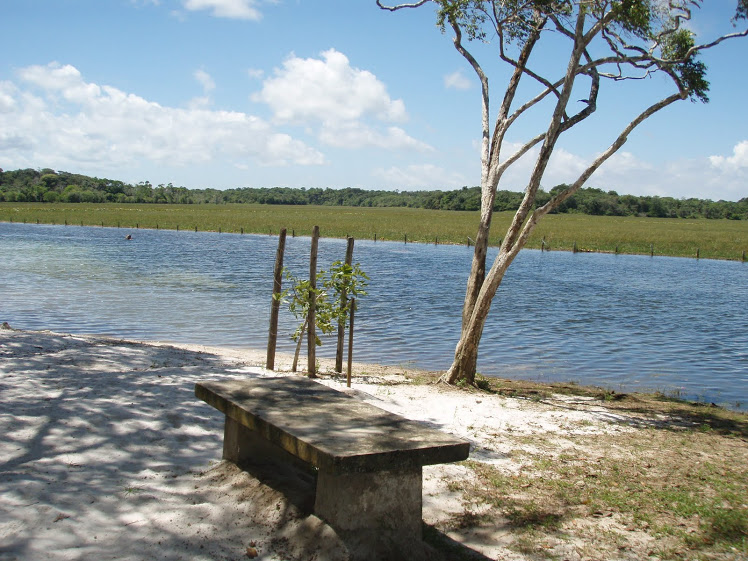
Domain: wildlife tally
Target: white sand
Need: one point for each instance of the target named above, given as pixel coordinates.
(107, 454)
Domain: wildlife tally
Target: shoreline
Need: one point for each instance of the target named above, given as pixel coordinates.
(516, 386)
(108, 454)
(626, 242)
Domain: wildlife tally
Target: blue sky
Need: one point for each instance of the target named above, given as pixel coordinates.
(302, 93)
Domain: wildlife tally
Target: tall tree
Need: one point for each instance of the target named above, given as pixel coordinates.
(615, 40)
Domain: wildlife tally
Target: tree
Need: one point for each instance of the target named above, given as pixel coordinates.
(613, 40)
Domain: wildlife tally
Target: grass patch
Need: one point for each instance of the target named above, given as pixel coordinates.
(686, 490)
(715, 239)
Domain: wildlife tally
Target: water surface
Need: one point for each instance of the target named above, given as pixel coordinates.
(623, 322)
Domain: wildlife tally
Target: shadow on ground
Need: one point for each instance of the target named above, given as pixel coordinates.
(108, 454)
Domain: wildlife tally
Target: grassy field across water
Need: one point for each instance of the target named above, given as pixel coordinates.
(712, 239)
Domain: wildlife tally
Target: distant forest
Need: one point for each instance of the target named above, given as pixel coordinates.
(46, 185)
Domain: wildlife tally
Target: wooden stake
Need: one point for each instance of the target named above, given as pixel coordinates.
(343, 302)
(312, 323)
(350, 342)
(275, 304)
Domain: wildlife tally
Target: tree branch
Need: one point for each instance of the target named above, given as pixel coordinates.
(402, 6)
(601, 159)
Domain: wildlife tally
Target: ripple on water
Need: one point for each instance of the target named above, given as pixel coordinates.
(627, 322)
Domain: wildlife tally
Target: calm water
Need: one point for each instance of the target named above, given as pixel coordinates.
(624, 322)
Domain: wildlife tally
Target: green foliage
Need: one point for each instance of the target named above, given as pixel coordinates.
(634, 16)
(26, 186)
(692, 73)
(330, 310)
(742, 10)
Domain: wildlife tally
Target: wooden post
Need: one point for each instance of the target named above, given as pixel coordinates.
(697, 253)
(293, 233)
(177, 227)
(275, 304)
(156, 225)
(406, 238)
(242, 230)
(137, 226)
(350, 342)
(436, 240)
(651, 250)
(343, 302)
(375, 237)
(575, 247)
(742, 258)
(195, 228)
(312, 322)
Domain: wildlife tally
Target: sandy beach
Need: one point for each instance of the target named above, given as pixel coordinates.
(107, 454)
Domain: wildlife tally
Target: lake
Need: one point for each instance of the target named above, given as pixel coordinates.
(619, 321)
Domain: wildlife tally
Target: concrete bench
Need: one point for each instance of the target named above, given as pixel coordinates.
(368, 461)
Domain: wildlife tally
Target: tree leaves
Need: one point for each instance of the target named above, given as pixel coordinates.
(677, 47)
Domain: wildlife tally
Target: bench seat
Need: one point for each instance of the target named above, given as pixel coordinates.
(369, 461)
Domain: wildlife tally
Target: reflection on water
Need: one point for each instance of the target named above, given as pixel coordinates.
(625, 322)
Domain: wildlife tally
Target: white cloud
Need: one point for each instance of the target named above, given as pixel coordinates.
(256, 73)
(205, 79)
(738, 160)
(355, 135)
(457, 81)
(423, 176)
(348, 104)
(327, 90)
(232, 9)
(106, 127)
(626, 173)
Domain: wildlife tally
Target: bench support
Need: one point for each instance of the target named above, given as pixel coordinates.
(244, 446)
(382, 508)
(377, 514)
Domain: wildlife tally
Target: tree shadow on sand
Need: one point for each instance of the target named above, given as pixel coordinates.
(106, 451)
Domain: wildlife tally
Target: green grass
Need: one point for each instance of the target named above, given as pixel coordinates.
(713, 239)
(685, 489)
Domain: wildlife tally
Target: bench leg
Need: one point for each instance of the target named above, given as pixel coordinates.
(237, 442)
(244, 446)
(380, 512)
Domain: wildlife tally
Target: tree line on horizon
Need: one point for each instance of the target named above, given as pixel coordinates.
(47, 185)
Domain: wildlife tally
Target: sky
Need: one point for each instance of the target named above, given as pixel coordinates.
(327, 93)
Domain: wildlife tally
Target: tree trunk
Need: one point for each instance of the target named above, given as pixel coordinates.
(463, 367)
(298, 346)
